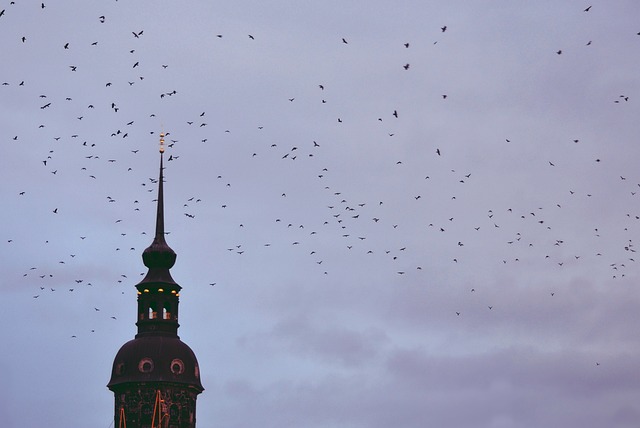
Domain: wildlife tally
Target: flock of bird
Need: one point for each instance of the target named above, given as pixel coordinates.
(91, 135)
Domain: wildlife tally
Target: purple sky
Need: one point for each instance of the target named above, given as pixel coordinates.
(469, 263)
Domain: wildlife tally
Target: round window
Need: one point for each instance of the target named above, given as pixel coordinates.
(145, 365)
(177, 366)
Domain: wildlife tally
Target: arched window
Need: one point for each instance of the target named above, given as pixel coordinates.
(166, 311)
(153, 312)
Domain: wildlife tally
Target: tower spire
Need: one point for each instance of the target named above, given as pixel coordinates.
(159, 257)
(158, 292)
(156, 362)
(160, 214)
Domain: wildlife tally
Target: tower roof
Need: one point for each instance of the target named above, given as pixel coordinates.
(155, 359)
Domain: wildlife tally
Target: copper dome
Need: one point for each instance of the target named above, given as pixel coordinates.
(155, 359)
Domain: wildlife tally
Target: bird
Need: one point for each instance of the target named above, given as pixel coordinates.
(588, 9)
(345, 41)
(443, 28)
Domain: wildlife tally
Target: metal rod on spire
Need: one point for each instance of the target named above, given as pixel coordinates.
(160, 215)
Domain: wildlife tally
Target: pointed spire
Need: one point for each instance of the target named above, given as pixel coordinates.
(160, 215)
(159, 257)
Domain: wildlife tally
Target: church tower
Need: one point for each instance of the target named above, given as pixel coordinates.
(155, 376)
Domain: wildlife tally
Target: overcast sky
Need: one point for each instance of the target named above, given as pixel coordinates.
(386, 214)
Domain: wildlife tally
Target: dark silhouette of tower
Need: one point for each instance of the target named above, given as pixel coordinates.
(155, 377)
